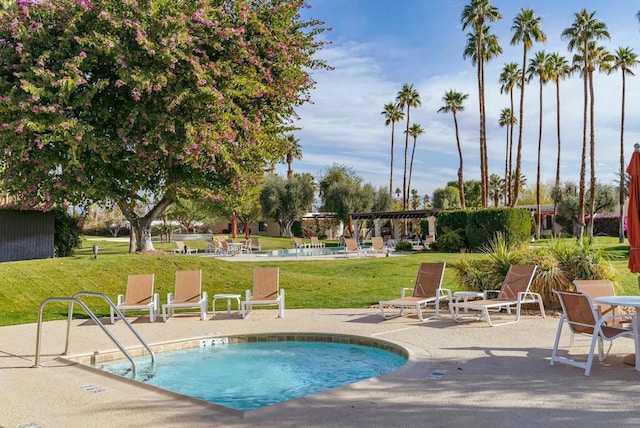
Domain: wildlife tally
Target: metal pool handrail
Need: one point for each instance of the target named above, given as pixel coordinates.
(71, 301)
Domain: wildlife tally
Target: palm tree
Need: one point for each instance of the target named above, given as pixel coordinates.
(475, 15)
(559, 68)
(407, 97)
(624, 60)
(526, 29)
(294, 151)
(496, 188)
(392, 113)
(415, 131)
(584, 29)
(508, 119)
(538, 66)
(454, 102)
(509, 78)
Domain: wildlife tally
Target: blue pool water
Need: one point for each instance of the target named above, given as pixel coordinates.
(302, 252)
(247, 376)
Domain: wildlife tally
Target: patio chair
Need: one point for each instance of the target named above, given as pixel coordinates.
(188, 294)
(582, 318)
(266, 291)
(299, 244)
(514, 293)
(599, 288)
(139, 296)
(377, 246)
(351, 247)
(315, 242)
(427, 289)
(254, 244)
(183, 248)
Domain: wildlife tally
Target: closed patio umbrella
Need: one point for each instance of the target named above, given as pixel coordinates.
(234, 226)
(246, 229)
(633, 213)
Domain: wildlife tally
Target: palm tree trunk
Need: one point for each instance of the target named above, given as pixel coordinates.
(516, 186)
(393, 126)
(510, 196)
(538, 213)
(557, 183)
(406, 149)
(413, 152)
(460, 174)
(622, 195)
(583, 162)
(592, 149)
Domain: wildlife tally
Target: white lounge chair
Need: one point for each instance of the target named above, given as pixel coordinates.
(139, 296)
(266, 291)
(188, 294)
(183, 248)
(427, 289)
(514, 293)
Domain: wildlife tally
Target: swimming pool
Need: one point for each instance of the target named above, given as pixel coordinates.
(305, 252)
(253, 374)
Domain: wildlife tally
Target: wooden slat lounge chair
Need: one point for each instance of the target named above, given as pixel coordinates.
(582, 318)
(139, 296)
(515, 291)
(427, 289)
(188, 294)
(266, 291)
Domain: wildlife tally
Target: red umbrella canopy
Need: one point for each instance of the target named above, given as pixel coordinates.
(234, 226)
(633, 214)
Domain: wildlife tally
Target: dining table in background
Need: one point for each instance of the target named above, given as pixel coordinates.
(630, 301)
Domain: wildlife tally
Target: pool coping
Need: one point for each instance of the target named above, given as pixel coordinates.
(87, 361)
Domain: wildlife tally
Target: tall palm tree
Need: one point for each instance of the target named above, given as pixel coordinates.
(407, 97)
(415, 131)
(392, 113)
(509, 78)
(584, 29)
(538, 66)
(294, 151)
(475, 15)
(526, 30)
(559, 68)
(508, 119)
(496, 188)
(624, 60)
(454, 102)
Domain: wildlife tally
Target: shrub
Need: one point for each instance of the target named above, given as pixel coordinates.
(404, 246)
(449, 241)
(66, 237)
(482, 225)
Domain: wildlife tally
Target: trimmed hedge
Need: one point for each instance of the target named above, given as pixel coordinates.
(482, 225)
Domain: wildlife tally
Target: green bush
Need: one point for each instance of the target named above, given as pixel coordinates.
(482, 225)
(66, 237)
(450, 229)
(404, 246)
(449, 241)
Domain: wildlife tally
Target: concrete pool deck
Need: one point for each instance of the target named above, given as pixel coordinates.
(459, 374)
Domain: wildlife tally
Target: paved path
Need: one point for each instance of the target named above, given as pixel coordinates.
(495, 377)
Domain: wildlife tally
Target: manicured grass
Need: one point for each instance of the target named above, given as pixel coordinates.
(348, 283)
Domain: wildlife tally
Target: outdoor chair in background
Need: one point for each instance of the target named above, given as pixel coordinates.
(299, 244)
(599, 288)
(514, 293)
(377, 247)
(183, 248)
(139, 296)
(188, 294)
(427, 289)
(315, 242)
(254, 244)
(266, 291)
(351, 247)
(582, 318)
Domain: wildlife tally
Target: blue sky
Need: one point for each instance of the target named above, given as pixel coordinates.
(377, 45)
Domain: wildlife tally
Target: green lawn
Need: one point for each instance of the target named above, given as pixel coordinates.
(348, 283)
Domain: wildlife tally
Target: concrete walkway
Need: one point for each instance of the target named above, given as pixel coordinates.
(493, 377)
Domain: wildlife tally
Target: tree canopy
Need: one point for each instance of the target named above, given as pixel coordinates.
(126, 99)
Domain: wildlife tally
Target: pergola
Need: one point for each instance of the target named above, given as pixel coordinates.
(399, 221)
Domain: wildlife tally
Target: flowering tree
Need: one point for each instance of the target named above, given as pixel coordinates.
(147, 99)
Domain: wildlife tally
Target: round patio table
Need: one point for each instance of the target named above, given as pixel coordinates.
(632, 301)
